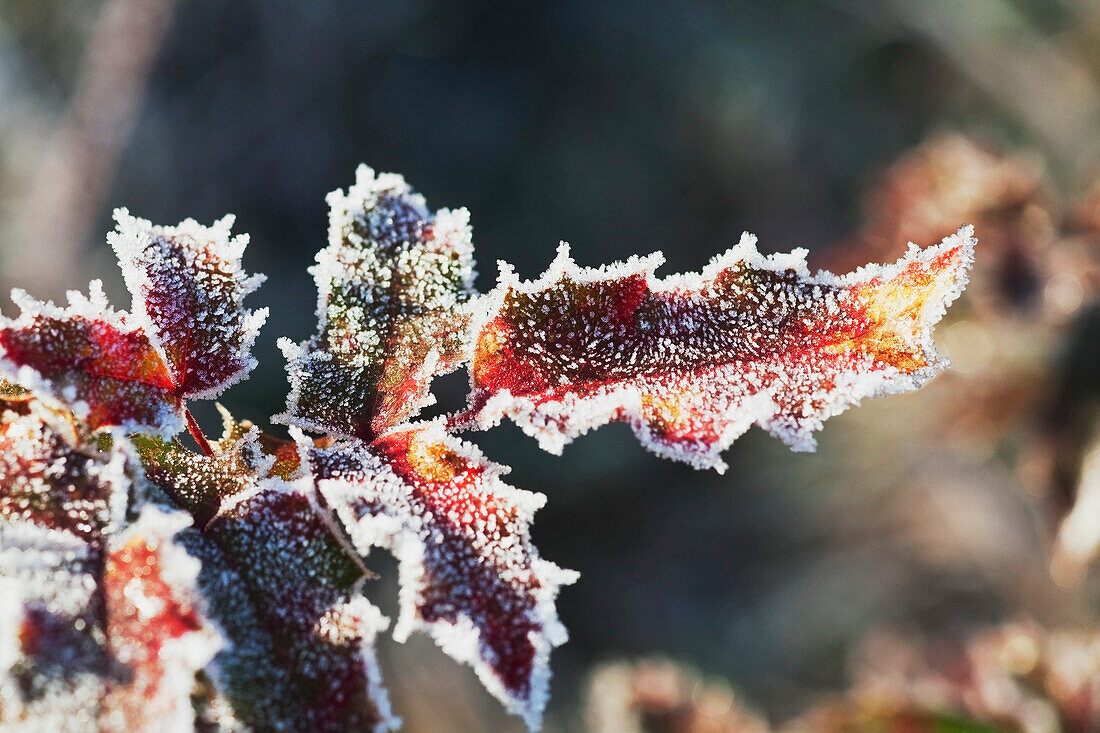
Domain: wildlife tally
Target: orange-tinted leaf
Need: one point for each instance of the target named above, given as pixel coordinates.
(392, 287)
(470, 575)
(693, 360)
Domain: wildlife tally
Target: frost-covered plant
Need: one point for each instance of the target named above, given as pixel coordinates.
(147, 586)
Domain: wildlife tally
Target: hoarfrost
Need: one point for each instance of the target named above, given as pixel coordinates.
(188, 290)
(282, 588)
(470, 576)
(692, 361)
(91, 359)
(103, 629)
(393, 288)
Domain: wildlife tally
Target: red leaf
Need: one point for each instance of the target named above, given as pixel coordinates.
(188, 289)
(469, 574)
(694, 360)
(155, 627)
(189, 335)
(92, 360)
(392, 290)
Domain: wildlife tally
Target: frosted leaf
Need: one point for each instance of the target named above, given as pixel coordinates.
(55, 504)
(156, 629)
(102, 631)
(188, 290)
(196, 483)
(47, 480)
(469, 575)
(91, 359)
(393, 287)
(692, 361)
(282, 588)
(189, 334)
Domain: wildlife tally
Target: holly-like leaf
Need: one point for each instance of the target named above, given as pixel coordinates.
(692, 361)
(282, 588)
(188, 290)
(189, 335)
(392, 285)
(100, 631)
(90, 358)
(469, 573)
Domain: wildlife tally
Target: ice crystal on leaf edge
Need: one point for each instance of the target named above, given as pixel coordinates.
(188, 335)
(469, 574)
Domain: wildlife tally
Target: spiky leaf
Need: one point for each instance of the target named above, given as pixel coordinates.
(189, 335)
(693, 360)
(392, 287)
(90, 358)
(470, 575)
(188, 290)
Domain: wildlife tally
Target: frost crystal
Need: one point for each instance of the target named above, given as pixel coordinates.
(693, 360)
(46, 480)
(155, 626)
(145, 586)
(392, 286)
(469, 574)
(54, 678)
(90, 358)
(55, 503)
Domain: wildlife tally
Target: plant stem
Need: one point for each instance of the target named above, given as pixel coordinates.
(197, 434)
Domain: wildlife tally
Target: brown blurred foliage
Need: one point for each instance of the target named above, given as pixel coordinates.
(660, 696)
(1021, 340)
(1016, 679)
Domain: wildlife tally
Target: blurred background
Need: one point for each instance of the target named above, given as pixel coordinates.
(927, 569)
